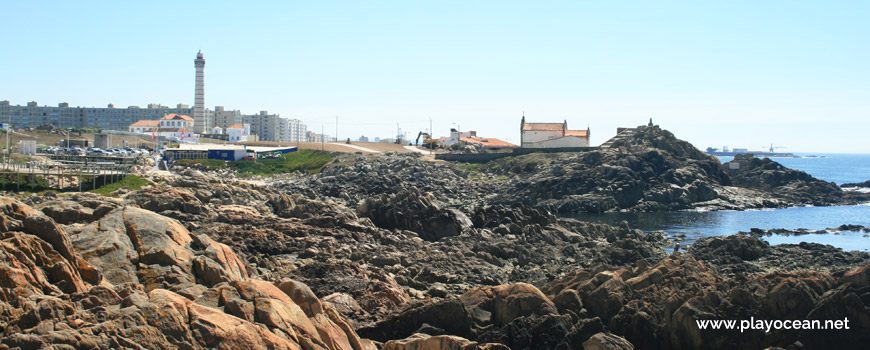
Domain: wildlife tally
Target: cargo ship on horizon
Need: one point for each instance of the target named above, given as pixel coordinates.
(725, 152)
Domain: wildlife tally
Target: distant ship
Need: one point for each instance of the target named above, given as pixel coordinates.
(725, 152)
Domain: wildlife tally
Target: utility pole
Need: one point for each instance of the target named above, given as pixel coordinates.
(336, 128)
(8, 126)
(322, 144)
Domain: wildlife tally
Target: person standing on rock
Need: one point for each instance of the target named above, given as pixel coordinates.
(676, 247)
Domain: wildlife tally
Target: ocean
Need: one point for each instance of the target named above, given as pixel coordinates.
(838, 168)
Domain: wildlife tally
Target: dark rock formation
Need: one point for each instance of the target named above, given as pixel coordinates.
(794, 186)
(415, 211)
(865, 184)
(745, 254)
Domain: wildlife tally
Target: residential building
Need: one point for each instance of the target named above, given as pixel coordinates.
(298, 130)
(224, 118)
(489, 143)
(456, 136)
(264, 125)
(64, 116)
(172, 126)
(180, 121)
(144, 126)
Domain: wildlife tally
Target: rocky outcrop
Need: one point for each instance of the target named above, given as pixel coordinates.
(865, 184)
(794, 186)
(651, 170)
(415, 211)
(350, 180)
(143, 281)
(744, 254)
(518, 316)
(657, 306)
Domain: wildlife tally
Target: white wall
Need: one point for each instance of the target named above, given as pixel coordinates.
(567, 141)
(27, 147)
(536, 136)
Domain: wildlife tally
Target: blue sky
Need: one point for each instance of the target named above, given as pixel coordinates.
(738, 73)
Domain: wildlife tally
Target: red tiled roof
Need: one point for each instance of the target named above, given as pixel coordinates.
(147, 123)
(488, 142)
(236, 126)
(543, 126)
(177, 116)
(578, 133)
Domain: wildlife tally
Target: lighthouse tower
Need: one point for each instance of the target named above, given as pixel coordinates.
(199, 122)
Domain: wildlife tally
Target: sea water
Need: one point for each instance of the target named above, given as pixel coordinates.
(691, 225)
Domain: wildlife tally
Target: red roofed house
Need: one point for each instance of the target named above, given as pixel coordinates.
(551, 135)
(172, 126)
(144, 126)
(489, 143)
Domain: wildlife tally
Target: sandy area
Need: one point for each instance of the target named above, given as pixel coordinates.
(340, 147)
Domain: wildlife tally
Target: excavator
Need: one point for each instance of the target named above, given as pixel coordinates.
(428, 141)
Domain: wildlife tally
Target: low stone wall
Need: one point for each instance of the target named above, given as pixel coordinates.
(472, 158)
(521, 151)
(486, 157)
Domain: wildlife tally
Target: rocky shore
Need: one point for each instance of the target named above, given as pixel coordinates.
(396, 252)
(651, 170)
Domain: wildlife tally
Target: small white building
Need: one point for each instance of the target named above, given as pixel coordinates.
(238, 132)
(217, 130)
(456, 136)
(551, 135)
(27, 147)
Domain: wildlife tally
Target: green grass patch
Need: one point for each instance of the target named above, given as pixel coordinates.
(130, 182)
(310, 161)
(514, 165)
(10, 181)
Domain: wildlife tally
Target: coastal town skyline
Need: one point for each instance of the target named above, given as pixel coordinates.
(742, 75)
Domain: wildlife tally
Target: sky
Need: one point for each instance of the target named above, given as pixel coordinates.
(748, 74)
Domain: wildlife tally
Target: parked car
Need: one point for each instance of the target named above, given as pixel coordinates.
(97, 152)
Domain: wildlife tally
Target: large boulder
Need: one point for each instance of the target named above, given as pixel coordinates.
(415, 211)
(37, 254)
(422, 341)
(500, 305)
(607, 341)
(169, 290)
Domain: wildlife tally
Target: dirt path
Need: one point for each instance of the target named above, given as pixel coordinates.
(358, 148)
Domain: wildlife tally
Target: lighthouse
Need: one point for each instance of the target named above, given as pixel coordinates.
(199, 122)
